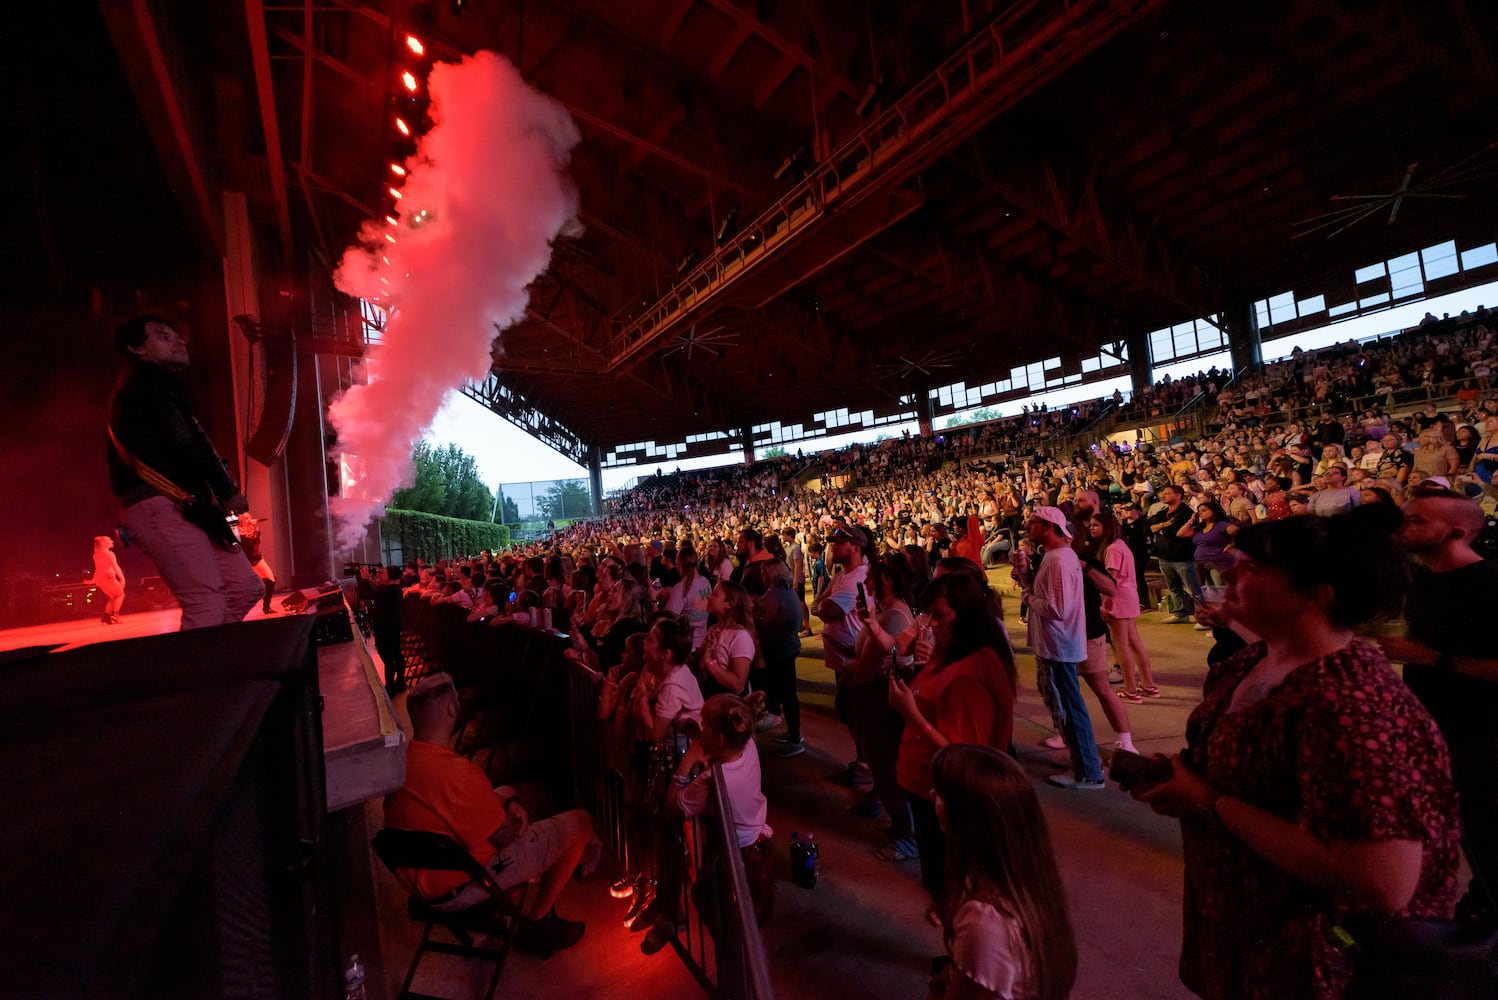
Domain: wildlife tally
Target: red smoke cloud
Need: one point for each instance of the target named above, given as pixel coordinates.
(485, 194)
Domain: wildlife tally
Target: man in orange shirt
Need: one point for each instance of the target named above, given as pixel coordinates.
(446, 793)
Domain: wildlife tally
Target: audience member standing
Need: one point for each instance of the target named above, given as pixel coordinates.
(1011, 932)
(1451, 663)
(1058, 635)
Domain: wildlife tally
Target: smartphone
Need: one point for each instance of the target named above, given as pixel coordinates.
(1132, 770)
(863, 601)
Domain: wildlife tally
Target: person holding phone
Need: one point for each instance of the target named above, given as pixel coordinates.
(1295, 814)
(885, 646)
(964, 693)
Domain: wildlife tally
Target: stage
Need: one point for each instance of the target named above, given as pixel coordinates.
(363, 745)
(87, 631)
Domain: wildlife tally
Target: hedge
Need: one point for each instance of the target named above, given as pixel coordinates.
(432, 536)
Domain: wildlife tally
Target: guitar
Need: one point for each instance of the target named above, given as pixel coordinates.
(203, 509)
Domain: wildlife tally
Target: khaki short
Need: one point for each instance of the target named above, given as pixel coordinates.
(533, 853)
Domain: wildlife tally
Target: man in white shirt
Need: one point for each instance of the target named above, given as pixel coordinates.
(840, 625)
(849, 547)
(1058, 636)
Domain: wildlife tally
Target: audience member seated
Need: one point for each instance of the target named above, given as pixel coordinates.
(448, 794)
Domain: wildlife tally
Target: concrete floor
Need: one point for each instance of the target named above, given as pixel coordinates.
(861, 932)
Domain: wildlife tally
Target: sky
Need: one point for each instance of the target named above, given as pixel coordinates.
(506, 454)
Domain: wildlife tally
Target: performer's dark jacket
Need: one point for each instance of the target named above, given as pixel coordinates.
(152, 415)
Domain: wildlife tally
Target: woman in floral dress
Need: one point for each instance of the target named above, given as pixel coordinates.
(1315, 786)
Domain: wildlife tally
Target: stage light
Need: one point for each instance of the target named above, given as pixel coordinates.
(414, 44)
(402, 127)
(390, 238)
(397, 170)
(409, 80)
(392, 220)
(396, 193)
(385, 259)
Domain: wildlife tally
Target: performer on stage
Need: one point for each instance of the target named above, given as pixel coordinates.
(109, 578)
(249, 540)
(176, 492)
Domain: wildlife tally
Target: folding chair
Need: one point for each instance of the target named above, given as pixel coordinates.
(498, 915)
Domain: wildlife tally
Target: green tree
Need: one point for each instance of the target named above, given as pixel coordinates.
(773, 452)
(978, 416)
(509, 510)
(567, 498)
(448, 484)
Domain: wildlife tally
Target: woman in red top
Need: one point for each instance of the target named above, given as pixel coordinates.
(964, 694)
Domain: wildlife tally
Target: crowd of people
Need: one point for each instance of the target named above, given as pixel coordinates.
(1317, 789)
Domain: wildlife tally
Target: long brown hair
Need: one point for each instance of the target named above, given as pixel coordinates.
(999, 852)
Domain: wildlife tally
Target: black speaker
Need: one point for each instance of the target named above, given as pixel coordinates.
(278, 385)
(164, 818)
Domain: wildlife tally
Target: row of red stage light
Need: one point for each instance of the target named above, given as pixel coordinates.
(405, 124)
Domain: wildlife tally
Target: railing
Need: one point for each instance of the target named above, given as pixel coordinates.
(528, 713)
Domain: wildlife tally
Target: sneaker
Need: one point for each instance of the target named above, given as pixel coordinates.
(1202, 628)
(644, 896)
(1115, 674)
(899, 850)
(659, 936)
(1077, 784)
(767, 723)
(646, 918)
(786, 738)
(1175, 619)
(549, 935)
(626, 886)
(1053, 743)
(792, 748)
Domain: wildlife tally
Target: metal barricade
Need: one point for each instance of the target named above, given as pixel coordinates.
(520, 688)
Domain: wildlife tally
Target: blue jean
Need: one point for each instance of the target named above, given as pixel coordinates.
(213, 585)
(1061, 681)
(1181, 578)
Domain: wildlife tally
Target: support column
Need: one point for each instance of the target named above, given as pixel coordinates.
(1244, 344)
(747, 436)
(1141, 366)
(595, 478)
(925, 411)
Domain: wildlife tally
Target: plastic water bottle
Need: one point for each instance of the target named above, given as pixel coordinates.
(804, 861)
(353, 981)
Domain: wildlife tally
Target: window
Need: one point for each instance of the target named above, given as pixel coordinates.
(1373, 300)
(1439, 260)
(1405, 278)
(1479, 257)
(1370, 273)
(1282, 306)
(1311, 306)
(1261, 309)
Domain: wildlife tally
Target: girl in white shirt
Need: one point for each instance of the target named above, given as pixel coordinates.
(726, 740)
(1010, 934)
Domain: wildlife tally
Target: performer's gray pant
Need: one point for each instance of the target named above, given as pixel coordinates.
(213, 585)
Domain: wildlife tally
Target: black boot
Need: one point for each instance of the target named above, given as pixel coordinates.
(270, 591)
